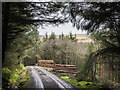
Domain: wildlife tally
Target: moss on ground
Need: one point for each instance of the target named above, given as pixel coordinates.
(81, 84)
(43, 67)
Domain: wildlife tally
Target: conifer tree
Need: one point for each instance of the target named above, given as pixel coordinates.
(62, 36)
(71, 36)
(46, 36)
(52, 36)
(59, 36)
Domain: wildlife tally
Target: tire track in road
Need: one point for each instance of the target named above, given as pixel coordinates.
(38, 81)
(47, 81)
(42, 80)
(62, 84)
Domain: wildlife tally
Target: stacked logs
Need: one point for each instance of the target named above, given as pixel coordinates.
(65, 68)
(46, 63)
(57, 67)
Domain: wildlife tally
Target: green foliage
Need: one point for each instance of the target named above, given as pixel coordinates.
(90, 47)
(16, 77)
(84, 73)
(6, 74)
(48, 69)
(14, 56)
(66, 78)
(87, 16)
(106, 38)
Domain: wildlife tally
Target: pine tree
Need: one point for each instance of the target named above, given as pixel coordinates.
(71, 36)
(52, 36)
(62, 36)
(59, 36)
(46, 36)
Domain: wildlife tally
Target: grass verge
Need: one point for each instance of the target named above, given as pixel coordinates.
(48, 69)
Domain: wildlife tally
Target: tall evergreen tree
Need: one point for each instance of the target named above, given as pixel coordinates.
(71, 36)
(62, 36)
(46, 36)
(52, 36)
(59, 36)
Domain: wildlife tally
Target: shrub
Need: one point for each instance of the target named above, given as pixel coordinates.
(6, 73)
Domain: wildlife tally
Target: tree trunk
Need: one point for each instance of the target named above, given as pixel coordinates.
(5, 17)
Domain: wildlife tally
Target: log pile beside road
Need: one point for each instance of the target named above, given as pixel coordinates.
(57, 67)
(46, 63)
(65, 68)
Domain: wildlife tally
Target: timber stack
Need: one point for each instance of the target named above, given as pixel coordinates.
(46, 63)
(63, 68)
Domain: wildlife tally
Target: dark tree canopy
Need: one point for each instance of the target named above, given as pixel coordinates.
(21, 15)
(85, 16)
(18, 17)
(91, 16)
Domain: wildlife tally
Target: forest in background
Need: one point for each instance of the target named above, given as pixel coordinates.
(21, 41)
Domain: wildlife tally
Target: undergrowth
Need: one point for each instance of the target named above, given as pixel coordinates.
(80, 84)
(16, 78)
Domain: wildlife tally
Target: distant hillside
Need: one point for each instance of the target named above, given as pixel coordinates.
(82, 38)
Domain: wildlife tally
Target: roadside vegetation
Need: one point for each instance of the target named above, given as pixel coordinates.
(19, 78)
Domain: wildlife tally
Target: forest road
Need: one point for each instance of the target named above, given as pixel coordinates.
(44, 80)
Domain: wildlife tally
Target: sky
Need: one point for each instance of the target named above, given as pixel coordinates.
(65, 28)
